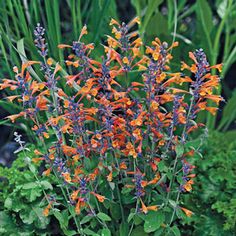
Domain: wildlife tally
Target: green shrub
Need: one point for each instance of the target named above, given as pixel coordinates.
(214, 196)
(21, 204)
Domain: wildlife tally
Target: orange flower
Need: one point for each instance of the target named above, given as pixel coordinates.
(36, 160)
(218, 67)
(47, 172)
(69, 151)
(47, 209)
(11, 98)
(188, 185)
(41, 103)
(191, 55)
(152, 208)
(64, 46)
(99, 197)
(67, 177)
(49, 61)
(114, 22)
(74, 195)
(187, 212)
(214, 98)
(212, 110)
(109, 177)
(136, 20)
(144, 208)
(78, 207)
(155, 180)
(123, 166)
(14, 117)
(83, 32)
(37, 152)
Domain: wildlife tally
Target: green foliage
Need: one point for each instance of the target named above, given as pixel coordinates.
(214, 197)
(21, 208)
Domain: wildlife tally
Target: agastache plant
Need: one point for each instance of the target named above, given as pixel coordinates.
(117, 131)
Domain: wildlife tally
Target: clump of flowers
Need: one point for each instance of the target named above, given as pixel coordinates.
(115, 132)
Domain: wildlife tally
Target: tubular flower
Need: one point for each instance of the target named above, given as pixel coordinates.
(120, 123)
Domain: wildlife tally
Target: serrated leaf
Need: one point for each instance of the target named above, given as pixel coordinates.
(46, 185)
(34, 193)
(62, 217)
(30, 185)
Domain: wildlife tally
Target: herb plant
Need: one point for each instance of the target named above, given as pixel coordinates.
(215, 206)
(114, 133)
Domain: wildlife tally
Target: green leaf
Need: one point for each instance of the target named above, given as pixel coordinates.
(104, 217)
(124, 229)
(221, 10)
(153, 221)
(34, 193)
(230, 60)
(30, 185)
(115, 211)
(161, 166)
(46, 185)
(229, 112)
(32, 168)
(138, 231)
(172, 203)
(5, 219)
(138, 219)
(86, 219)
(130, 217)
(179, 149)
(175, 230)
(8, 203)
(151, 8)
(89, 232)
(106, 232)
(62, 217)
(204, 13)
(157, 25)
(159, 232)
(69, 232)
(20, 48)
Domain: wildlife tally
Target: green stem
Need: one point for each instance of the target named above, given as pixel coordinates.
(121, 208)
(136, 210)
(173, 214)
